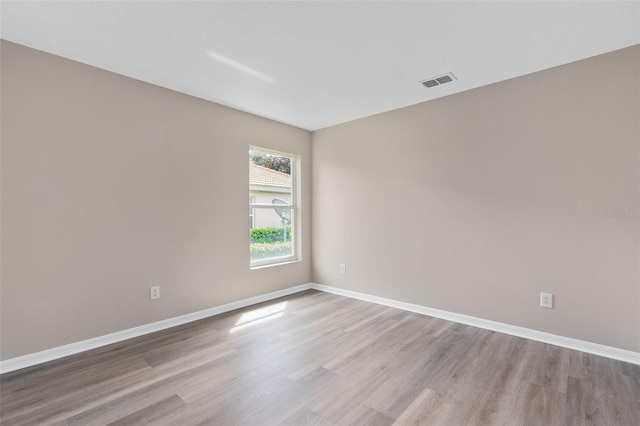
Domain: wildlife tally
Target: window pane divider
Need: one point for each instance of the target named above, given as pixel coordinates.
(270, 206)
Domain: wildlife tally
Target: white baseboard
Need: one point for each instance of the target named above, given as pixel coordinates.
(527, 333)
(29, 360)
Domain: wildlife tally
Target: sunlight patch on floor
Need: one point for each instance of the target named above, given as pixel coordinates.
(260, 315)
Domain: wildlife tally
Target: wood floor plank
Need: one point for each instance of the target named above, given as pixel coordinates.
(537, 405)
(155, 414)
(305, 417)
(365, 415)
(117, 405)
(324, 360)
(595, 407)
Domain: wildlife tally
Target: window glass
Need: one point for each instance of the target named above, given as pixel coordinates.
(273, 209)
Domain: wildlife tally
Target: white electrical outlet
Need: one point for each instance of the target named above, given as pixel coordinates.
(343, 268)
(546, 300)
(154, 292)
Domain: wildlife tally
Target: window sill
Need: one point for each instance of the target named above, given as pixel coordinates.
(270, 265)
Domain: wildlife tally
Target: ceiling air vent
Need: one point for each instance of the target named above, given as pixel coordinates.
(437, 81)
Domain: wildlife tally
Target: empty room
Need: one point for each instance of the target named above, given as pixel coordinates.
(320, 213)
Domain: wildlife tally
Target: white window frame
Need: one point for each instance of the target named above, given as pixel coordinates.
(251, 212)
(294, 205)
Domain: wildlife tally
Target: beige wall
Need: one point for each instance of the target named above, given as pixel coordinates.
(111, 185)
(494, 195)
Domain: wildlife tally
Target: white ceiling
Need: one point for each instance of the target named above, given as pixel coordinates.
(316, 64)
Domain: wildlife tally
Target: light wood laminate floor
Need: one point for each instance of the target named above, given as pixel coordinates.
(318, 359)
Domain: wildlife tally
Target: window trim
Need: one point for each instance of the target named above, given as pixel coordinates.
(294, 205)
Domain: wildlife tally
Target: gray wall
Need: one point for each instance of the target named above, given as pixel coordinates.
(492, 196)
(111, 185)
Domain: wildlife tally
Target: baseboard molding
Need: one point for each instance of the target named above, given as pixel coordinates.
(29, 360)
(527, 333)
(36, 358)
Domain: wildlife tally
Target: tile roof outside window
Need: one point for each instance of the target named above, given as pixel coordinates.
(263, 176)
